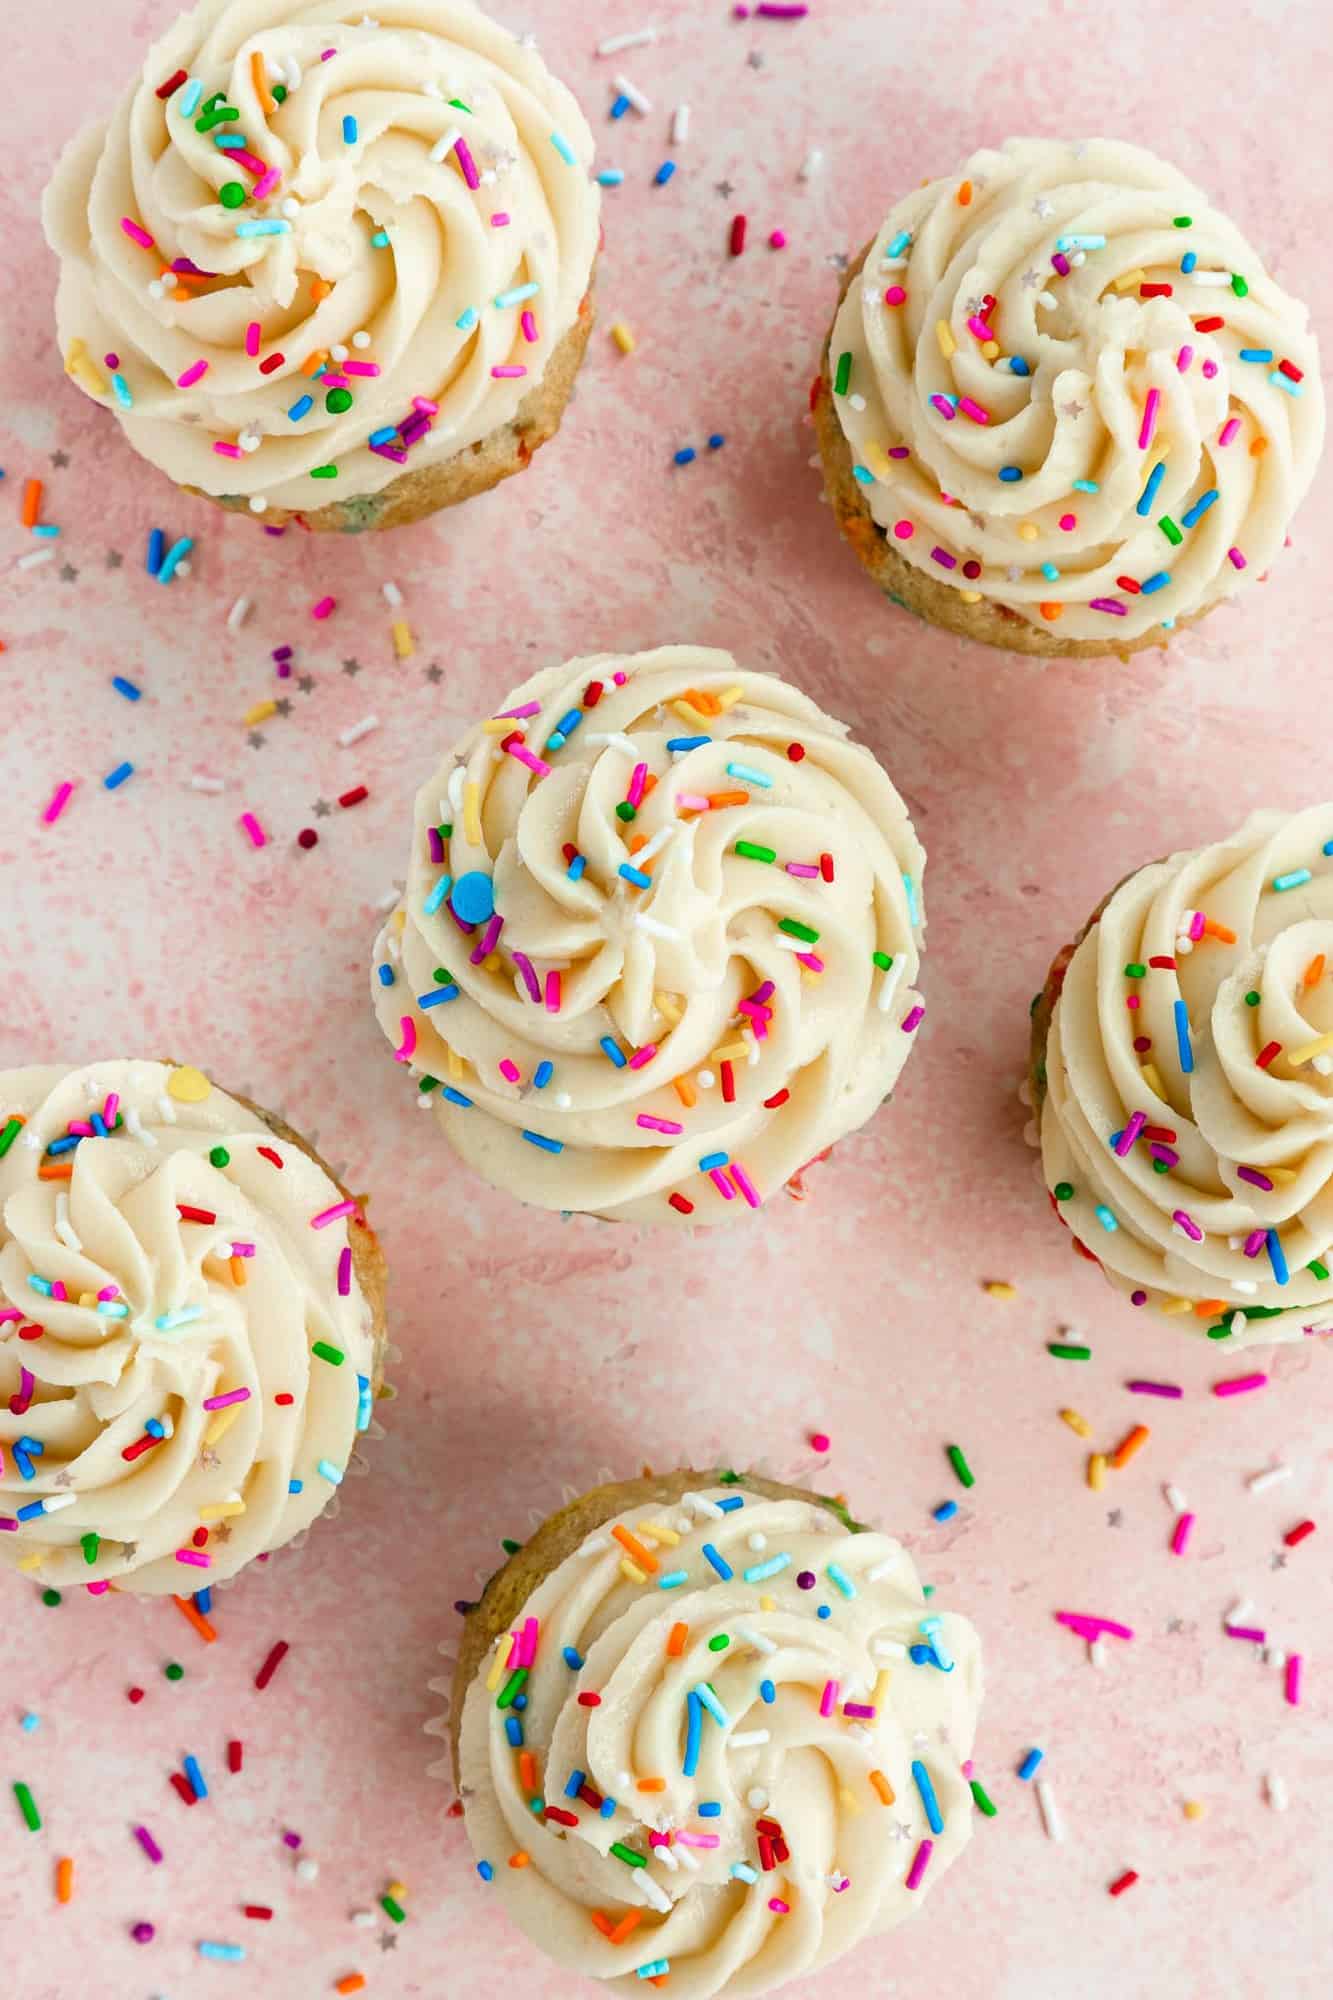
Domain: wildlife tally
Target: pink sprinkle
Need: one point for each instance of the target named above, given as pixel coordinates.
(777, 239)
(722, 1184)
(809, 961)
(519, 714)
(634, 796)
(973, 410)
(904, 530)
(510, 1071)
(697, 1839)
(553, 992)
(1293, 1679)
(510, 372)
(1235, 558)
(525, 756)
(249, 162)
(978, 326)
(1167, 1389)
(408, 1047)
(1089, 1626)
(895, 296)
(327, 381)
(1228, 430)
(258, 837)
(1240, 1385)
(1131, 1132)
(775, 1903)
(828, 1700)
(1068, 523)
(529, 976)
(345, 1271)
(745, 1184)
(913, 1020)
(227, 450)
(242, 1249)
(323, 608)
(642, 1057)
(266, 185)
(194, 373)
(920, 1862)
(500, 219)
(802, 868)
(97, 1589)
(651, 1124)
(1209, 369)
(59, 800)
(253, 333)
(360, 368)
(1254, 1633)
(148, 1844)
(1149, 424)
(1184, 358)
(1110, 604)
(467, 163)
(945, 408)
(225, 1402)
(693, 802)
(528, 324)
(424, 403)
(328, 1215)
(139, 235)
(756, 1010)
(195, 1557)
(1180, 1539)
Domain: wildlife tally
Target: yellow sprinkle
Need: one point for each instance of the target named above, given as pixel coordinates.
(1194, 1808)
(1097, 1470)
(224, 1512)
(500, 725)
(80, 364)
(1076, 1423)
(688, 714)
(222, 1423)
(403, 642)
(260, 712)
(631, 1571)
(948, 345)
(729, 697)
(990, 348)
(622, 336)
(1000, 1288)
(491, 963)
(1028, 531)
(398, 1890)
(658, 1531)
(1128, 281)
(496, 1674)
(472, 813)
(457, 1067)
(1309, 1050)
(399, 920)
(1171, 1306)
(668, 1007)
(1148, 1071)
(1280, 1174)
(188, 1085)
(732, 1052)
(768, 1604)
(33, 1561)
(970, 596)
(852, 1803)
(881, 1694)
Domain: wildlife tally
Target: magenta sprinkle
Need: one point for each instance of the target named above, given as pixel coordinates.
(1240, 1385)
(1155, 1389)
(973, 410)
(139, 235)
(1188, 1224)
(389, 451)
(1060, 263)
(148, 1844)
(467, 163)
(1228, 430)
(1254, 1633)
(225, 1402)
(912, 1021)
(529, 976)
(1235, 558)
(323, 607)
(195, 1557)
(360, 367)
(1180, 1539)
(745, 1184)
(434, 844)
(529, 325)
(643, 1056)
(1149, 424)
(943, 558)
(344, 1271)
(1293, 1679)
(1254, 1177)
(1130, 1133)
(1164, 1153)
(722, 1184)
(509, 372)
(1255, 1242)
(1108, 604)
(945, 408)
(920, 1862)
(1089, 1626)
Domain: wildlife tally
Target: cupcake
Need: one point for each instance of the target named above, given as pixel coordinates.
(331, 266)
(706, 1729)
(191, 1328)
(659, 941)
(1063, 408)
(1182, 1074)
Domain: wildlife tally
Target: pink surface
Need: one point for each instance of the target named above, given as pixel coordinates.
(536, 1353)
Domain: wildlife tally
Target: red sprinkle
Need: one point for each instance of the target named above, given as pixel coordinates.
(592, 694)
(561, 1817)
(681, 1205)
(307, 837)
(188, 1214)
(1154, 291)
(1298, 1533)
(590, 1701)
(826, 866)
(778, 1097)
(235, 1754)
(259, 1911)
(283, 1398)
(266, 367)
(267, 1153)
(354, 797)
(172, 84)
(184, 1787)
(1291, 371)
(728, 1082)
(795, 752)
(138, 1448)
(1127, 583)
(271, 1664)
(1125, 1881)
(1209, 325)
(1161, 964)
(737, 235)
(1266, 1054)
(135, 1695)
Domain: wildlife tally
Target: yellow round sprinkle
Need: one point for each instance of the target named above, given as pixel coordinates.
(1000, 1288)
(970, 596)
(1027, 531)
(622, 336)
(1194, 1808)
(188, 1085)
(990, 348)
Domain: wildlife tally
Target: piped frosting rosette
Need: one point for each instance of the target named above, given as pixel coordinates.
(741, 1748)
(1071, 388)
(313, 242)
(659, 941)
(1187, 1129)
(186, 1351)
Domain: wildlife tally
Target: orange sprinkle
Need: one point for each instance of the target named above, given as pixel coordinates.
(1259, 447)
(270, 104)
(32, 501)
(237, 1265)
(1314, 971)
(685, 1091)
(883, 1787)
(602, 1921)
(1051, 611)
(314, 362)
(1207, 1307)
(702, 704)
(1218, 931)
(196, 1618)
(1127, 1446)
(320, 289)
(64, 1879)
(55, 1170)
(354, 1981)
(635, 1549)
(520, 1860)
(676, 1641)
(649, 785)
(527, 1771)
(716, 799)
(652, 1784)
(628, 1924)
(964, 193)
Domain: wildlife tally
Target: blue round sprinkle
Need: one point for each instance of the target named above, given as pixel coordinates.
(474, 897)
(520, 1701)
(1011, 473)
(716, 441)
(824, 1611)
(485, 1870)
(685, 455)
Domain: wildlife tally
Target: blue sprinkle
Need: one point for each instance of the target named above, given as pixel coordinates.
(1158, 581)
(824, 1612)
(749, 776)
(516, 295)
(155, 1428)
(436, 998)
(693, 743)
(1105, 1217)
(384, 973)
(1188, 261)
(485, 1870)
(573, 1660)
(456, 1097)
(620, 106)
(767, 1692)
(673, 1579)
(122, 389)
(1277, 1259)
(709, 1809)
(565, 150)
(196, 1778)
(296, 1486)
(47, 530)
(188, 102)
(607, 1809)
(42, 1285)
(229, 142)
(1011, 473)
(302, 407)
(267, 228)
(685, 456)
(1328, 847)
(380, 239)
(30, 1722)
(1199, 509)
(229, 1954)
(1030, 1763)
(32, 1510)
(899, 243)
(611, 177)
(1281, 381)
(694, 1718)
(664, 173)
(712, 1160)
(1050, 572)
(716, 441)
(1018, 366)
(23, 1462)
(1256, 354)
(1295, 878)
(98, 1124)
(381, 436)
(946, 1510)
(1085, 486)
(934, 1817)
(547, 1145)
(569, 723)
(840, 1580)
(718, 1562)
(1149, 493)
(574, 1783)
(156, 543)
(115, 779)
(542, 1075)
(174, 556)
(732, 1504)
(467, 319)
(56, 1147)
(863, 475)
(713, 1705)
(629, 873)
(1183, 1046)
(349, 129)
(612, 1052)
(127, 688)
(328, 1470)
(913, 906)
(437, 895)
(514, 1732)
(760, 1572)
(576, 867)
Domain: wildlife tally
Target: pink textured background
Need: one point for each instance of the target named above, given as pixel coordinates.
(535, 1352)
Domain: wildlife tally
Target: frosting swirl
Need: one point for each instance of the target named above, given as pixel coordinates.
(659, 938)
(1187, 1128)
(774, 1707)
(186, 1352)
(304, 229)
(1071, 388)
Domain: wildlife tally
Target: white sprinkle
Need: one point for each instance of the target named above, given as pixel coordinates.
(885, 1568)
(391, 594)
(358, 730)
(889, 1649)
(1097, 1654)
(756, 1542)
(687, 1859)
(445, 144)
(308, 1868)
(637, 38)
(700, 1504)
(1214, 278)
(680, 124)
(705, 1079)
(757, 1799)
(1175, 1499)
(644, 922)
(1050, 1812)
(636, 97)
(258, 504)
(653, 1892)
(1276, 1788)
(755, 1639)
(238, 614)
(750, 1739)
(364, 1919)
(888, 985)
(1244, 1285)
(134, 1126)
(1240, 1613)
(616, 738)
(811, 164)
(1274, 1657)
(1261, 1481)
(1047, 299)
(200, 783)
(361, 338)
(34, 560)
(53, 1502)
(666, 1857)
(596, 1545)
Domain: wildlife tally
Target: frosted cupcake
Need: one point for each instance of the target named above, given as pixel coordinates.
(1063, 408)
(331, 264)
(191, 1328)
(1182, 1072)
(706, 1730)
(659, 942)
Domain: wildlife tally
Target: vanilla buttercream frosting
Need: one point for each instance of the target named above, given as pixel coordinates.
(1187, 1126)
(1071, 388)
(186, 1351)
(659, 941)
(741, 1746)
(308, 226)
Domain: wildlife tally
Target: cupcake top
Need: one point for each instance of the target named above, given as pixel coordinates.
(186, 1353)
(748, 1732)
(659, 940)
(1187, 1128)
(314, 242)
(1071, 388)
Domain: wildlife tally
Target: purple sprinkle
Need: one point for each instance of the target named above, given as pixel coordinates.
(467, 929)
(1165, 1154)
(1111, 604)
(291, 1840)
(1155, 1389)
(281, 653)
(529, 976)
(1255, 1242)
(1255, 1178)
(944, 559)
(1188, 1224)
(148, 1844)
(389, 451)
(1061, 263)
(487, 941)
(415, 426)
(344, 1271)
(143, 1933)
(467, 163)
(914, 1019)
(899, 451)
(945, 408)
(1130, 1133)
(435, 844)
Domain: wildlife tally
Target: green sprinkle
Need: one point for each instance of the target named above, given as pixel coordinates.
(219, 1157)
(1064, 1190)
(1218, 1332)
(983, 1799)
(9, 1135)
(511, 1548)
(459, 105)
(927, 1590)
(719, 1643)
(1320, 1270)
(1252, 999)
(796, 930)
(334, 1355)
(883, 960)
(1239, 286)
(429, 1083)
(91, 1544)
(28, 1807)
(627, 1855)
(393, 1909)
(1171, 531)
(445, 831)
(844, 374)
(326, 471)
(626, 811)
(728, 1478)
(1136, 972)
(751, 851)
(231, 194)
(175, 1672)
(279, 93)
(338, 400)
(1064, 1351)
(51, 1597)
(961, 1466)
(1179, 221)
(1160, 1167)
(513, 1686)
